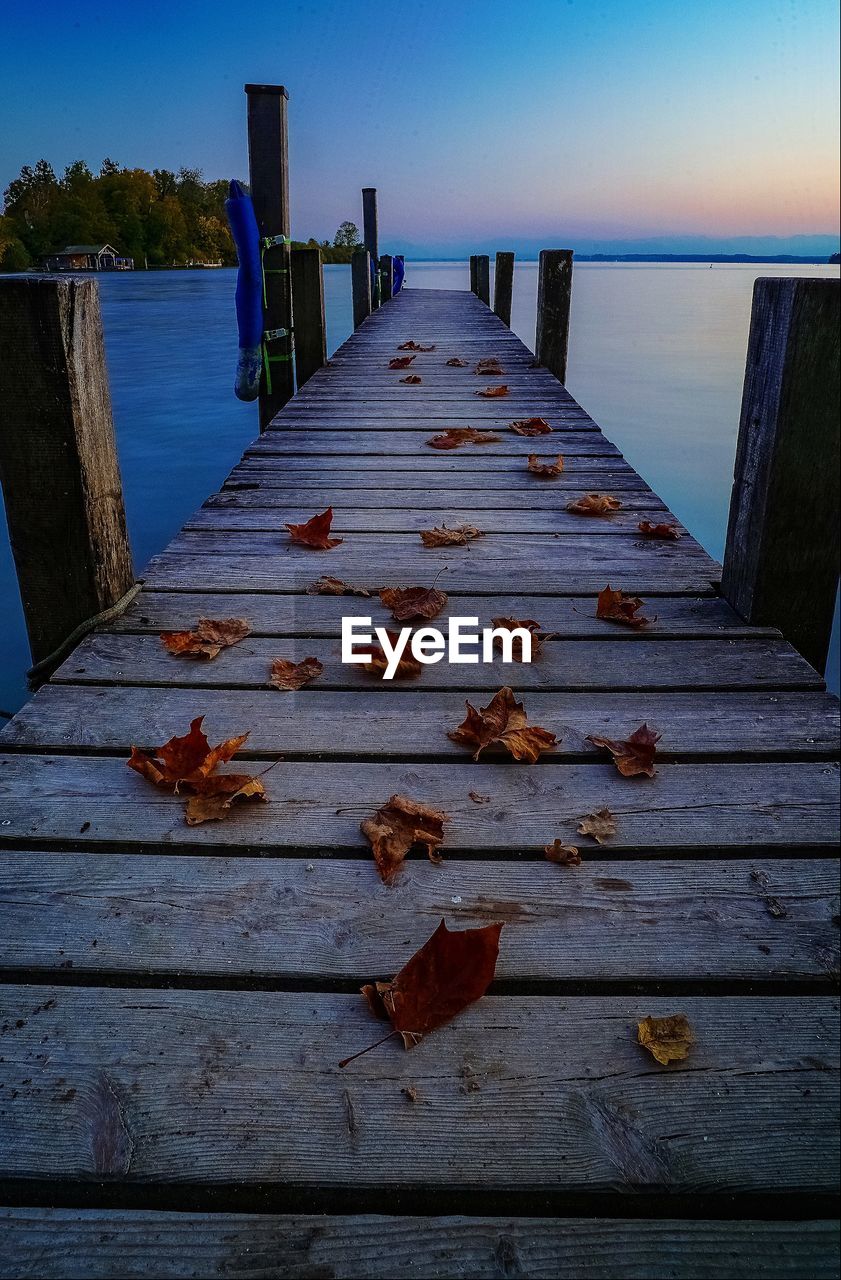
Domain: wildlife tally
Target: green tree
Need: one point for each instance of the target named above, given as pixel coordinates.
(347, 236)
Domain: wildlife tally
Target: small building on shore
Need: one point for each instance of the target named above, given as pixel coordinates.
(88, 257)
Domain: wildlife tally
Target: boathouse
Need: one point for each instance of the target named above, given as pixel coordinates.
(88, 257)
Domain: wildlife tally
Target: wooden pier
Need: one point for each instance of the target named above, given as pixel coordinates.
(176, 1000)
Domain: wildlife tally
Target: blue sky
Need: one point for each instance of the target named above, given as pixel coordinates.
(478, 122)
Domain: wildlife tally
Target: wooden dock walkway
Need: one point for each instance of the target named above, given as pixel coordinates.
(176, 1000)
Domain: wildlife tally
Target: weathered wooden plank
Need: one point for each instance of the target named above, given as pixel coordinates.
(584, 665)
(518, 482)
(235, 517)
(462, 463)
(92, 801)
(398, 493)
(279, 444)
(215, 1087)
(286, 920)
(92, 1244)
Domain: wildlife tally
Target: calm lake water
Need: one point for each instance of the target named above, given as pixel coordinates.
(656, 356)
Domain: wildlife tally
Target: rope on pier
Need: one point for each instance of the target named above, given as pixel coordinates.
(42, 670)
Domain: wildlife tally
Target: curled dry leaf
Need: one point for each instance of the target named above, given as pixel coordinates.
(615, 606)
(412, 379)
(400, 362)
(208, 638)
(666, 1039)
(632, 756)
(594, 504)
(315, 532)
(452, 970)
(489, 367)
(546, 470)
(444, 537)
(514, 624)
(213, 805)
(530, 427)
(601, 825)
(407, 666)
(566, 855)
(502, 723)
(405, 603)
(478, 798)
(397, 827)
(455, 363)
(455, 437)
(666, 532)
(414, 346)
(289, 676)
(328, 586)
(492, 393)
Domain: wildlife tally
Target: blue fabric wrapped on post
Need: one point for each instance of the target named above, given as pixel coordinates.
(249, 295)
(399, 275)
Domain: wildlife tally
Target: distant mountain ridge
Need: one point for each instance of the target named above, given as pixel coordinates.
(798, 248)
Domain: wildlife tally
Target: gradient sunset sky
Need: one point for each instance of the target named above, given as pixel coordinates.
(596, 121)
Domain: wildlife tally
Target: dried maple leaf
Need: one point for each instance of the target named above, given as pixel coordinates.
(566, 855)
(452, 970)
(209, 637)
(455, 437)
(214, 803)
(530, 427)
(289, 676)
(399, 825)
(478, 798)
(412, 379)
(405, 603)
(491, 393)
(189, 763)
(315, 533)
(615, 606)
(594, 504)
(601, 825)
(400, 362)
(503, 722)
(546, 470)
(444, 537)
(455, 363)
(414, 346)
(632, 756)
(328, 586)
(668, 532)
(666, 1039)
(407, 665)
(513, 624)
(489, 368)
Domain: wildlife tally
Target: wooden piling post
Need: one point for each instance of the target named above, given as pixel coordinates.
(386, 278)
(503, 286)
(783, 552)
(554, 291)
(360, 273)
(58, 459)
(371, 238)
(308, 310)
(268, 168)
(480, 277)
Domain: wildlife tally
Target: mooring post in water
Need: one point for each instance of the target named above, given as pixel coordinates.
(371, 238)
(360, 273)
(554, 291)
(386, 278)
(503, 286)
(268, 170)
(480, 277)
(58, 459)
(783, 550)
(308, 310)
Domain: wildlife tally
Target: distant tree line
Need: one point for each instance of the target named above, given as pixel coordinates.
(160, 218)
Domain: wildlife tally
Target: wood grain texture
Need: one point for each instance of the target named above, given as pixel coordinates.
(308, 312)
(503, 286)
(361, 286)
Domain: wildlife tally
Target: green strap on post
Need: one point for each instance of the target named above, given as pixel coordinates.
(272, 335)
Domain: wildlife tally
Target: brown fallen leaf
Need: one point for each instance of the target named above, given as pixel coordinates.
(407, 666)
(632, 756)
(414, 346)
(492, 393)
(452, 970)
(315, 532)
(601, 825)
(666, 1039)
(530, 427)
(455, 437)
(444, 537)
(400, 362)
(207, 639)
(328, 586)
(455, 363)
(503, 723)
(594, 504)
(546, 470)
(513, 624)
(615, 606)
(412, 379)
(489, 368)
(566, 855)
(397, 827)
(289, 676)
(668, 532)
(215, 805)
(477, 798)
(189, 763)
(405, 603)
